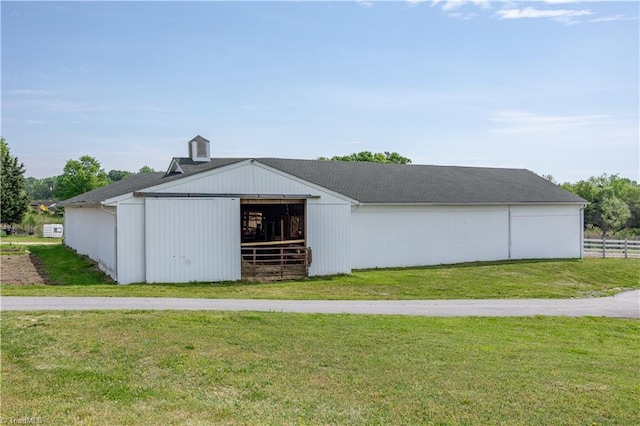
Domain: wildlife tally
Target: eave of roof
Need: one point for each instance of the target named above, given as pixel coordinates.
(374, 183)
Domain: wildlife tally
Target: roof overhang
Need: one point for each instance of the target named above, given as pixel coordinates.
(222, 195)
(79, 204)
(517, 203)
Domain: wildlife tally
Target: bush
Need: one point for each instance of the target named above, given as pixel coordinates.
(629, 233)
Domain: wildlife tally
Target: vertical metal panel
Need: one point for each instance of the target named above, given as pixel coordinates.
(131, 263)
(80, 225)
(387, 236)
(72, 218)
(106, 238)
(546, 232)
(91, 231)
(192, 239)
(328, 228)
(581, 232)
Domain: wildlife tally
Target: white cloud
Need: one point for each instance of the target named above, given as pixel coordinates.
(64, 106)
(524, 122)
(531, 12)
(52, 106)
(387, 98)
(364, 3)
(451, 5)
(614, 18)
(29, 92)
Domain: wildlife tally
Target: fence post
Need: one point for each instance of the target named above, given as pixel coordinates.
(254, 265)
(625, 248)
(282, 261)
(604, 247)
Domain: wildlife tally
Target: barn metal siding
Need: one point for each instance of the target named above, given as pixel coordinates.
(546, 232)
(91, 231)
(79, 224)
(328, 236)
(106, 233)
(327, 217)
(389, 236)
(131, 256)
(247, 178)
(192, 239)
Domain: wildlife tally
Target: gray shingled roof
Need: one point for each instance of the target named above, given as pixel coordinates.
(378, 183)
(141, 181)
(394, 183)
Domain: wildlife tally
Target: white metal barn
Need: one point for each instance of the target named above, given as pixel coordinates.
(217, 219)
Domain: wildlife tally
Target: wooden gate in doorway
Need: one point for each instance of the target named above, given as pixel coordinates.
(273, 245)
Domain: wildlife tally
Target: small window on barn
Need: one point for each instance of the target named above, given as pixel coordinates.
(174, 167)
(202, 149)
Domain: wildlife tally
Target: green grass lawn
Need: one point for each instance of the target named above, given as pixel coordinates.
(12, 249)
(29, 239)
(140, 367)
(77, 276)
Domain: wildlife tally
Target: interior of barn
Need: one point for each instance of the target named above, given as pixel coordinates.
(272, 222)
(274, 239)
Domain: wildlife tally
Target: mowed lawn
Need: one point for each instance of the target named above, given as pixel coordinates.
(73, 275)
(133, 367)
(167, 367)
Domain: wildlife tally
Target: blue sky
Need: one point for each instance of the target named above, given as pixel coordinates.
(551, 86)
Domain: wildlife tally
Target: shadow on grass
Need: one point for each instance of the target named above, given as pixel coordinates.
(63, 266)
(60, 265)
(472, 264)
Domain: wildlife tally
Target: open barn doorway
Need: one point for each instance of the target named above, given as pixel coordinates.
(273, 239)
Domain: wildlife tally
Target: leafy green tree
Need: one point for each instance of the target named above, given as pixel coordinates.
(14, 200)
(29, 221)
(80, 176)
(146, 169)
(614, 214)
(550, 178)
(116, 175)
(607, 195)
(632, 198)
(628, 191)
(368, 156)
(40, 189)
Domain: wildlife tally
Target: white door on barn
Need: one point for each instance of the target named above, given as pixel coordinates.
(192, 239)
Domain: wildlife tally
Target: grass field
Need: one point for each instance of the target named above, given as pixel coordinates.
(143, 367)
(12, 249)
(107, 368)
(29, 239)
(77, 276)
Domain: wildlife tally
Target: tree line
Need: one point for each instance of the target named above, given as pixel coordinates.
(614, 207)
(368, 156)
(85, 174)
(614, 202)
(78, 177)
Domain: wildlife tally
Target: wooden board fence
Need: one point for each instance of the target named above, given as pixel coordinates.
(596, 247)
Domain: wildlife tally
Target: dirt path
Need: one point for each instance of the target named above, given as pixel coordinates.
(21, 269)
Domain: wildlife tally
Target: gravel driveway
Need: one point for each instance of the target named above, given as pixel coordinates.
(623, 305)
